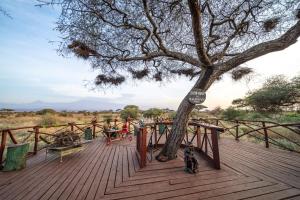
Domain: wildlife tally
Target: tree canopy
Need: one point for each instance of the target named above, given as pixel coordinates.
(276, 94)
(129, 111)
(152, 113)
(159, 39)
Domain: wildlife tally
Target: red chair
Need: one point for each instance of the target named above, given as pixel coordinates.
(124, 132)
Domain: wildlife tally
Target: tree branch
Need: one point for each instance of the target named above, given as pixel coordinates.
(197, 30)
(287, 39)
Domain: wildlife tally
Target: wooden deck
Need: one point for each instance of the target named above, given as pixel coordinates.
(248, 171)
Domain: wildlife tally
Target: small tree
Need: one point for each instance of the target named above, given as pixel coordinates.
(46, 111)
(276, 94)
(130, 111)
(161, 39)
(152, 113)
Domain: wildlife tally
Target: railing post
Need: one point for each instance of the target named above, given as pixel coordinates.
(142, 145)
(128, 121)
(205, 139)
(237, 130)
(72, 126)
(94, 128)
(144, 150)
(2, 147)
(115, 123)
(198, 134)
(266, 135)
(155, 135)
(215, 146)
(36, 139)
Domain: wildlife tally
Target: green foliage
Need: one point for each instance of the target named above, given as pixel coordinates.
(289, 117)
(276, 94)
(129, 111)
(6, 110)
(65, 114)
(107, 118)
(216, 111)
(231, 113)
(171, 115)
(46, 111)
(47, 120)
(152, 113)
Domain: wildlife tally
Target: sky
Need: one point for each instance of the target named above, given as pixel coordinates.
(32, 70)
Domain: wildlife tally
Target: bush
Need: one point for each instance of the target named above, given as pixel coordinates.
(46, 111)
(107, 118)
(65, 114)
(231, 113)
(152, 113)
(48, 120)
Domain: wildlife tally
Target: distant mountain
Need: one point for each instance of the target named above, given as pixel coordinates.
(90, 104)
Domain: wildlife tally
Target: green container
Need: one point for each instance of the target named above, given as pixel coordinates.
(16, 157)
(161, 128)
(88, 135)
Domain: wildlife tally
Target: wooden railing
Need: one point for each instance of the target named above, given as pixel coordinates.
(37, 134)
(197, 134)
(285, 136)
(141, 144)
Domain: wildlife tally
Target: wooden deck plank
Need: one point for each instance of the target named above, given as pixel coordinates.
(182, 193)
(103, 184)
(251, 192)
(62, 189)
(278, 195)
(100, 174)
(112, 172)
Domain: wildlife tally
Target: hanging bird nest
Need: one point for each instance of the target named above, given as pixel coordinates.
(240, 72)
(102, 79)
(139, 74)
(298, 13)
(158, 76)
(186, 72)
(270, 24)
(81, 50)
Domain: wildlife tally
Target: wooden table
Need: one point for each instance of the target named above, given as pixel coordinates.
(109, 133)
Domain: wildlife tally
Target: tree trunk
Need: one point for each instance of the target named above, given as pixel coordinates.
(179, 126)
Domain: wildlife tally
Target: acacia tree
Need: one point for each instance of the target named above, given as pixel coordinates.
(158, 39)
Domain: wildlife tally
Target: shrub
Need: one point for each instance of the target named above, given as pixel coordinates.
(231, 113)
(152, 112)
(48, 120)
(46, 111)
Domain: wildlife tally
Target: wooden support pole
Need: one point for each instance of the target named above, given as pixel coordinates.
(94, 128)
(215, 150)
(198, 133)
(115, 122)
(13, 139)
(36, 139)
(237, 130)
(205, 137)
(128, 120)
(155, 135)
(2, 147)
(72, 126)
(266, 134)
(144, 145)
